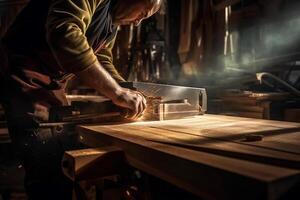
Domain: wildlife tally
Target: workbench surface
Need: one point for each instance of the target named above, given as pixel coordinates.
(213, 156)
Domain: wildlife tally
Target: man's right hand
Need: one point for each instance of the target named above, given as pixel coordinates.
(97, 77)
(132, 100)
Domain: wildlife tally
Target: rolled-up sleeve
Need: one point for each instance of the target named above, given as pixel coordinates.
(105, 57)
(66, 26)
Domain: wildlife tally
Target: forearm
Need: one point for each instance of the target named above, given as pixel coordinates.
(113, 72)
(98, 78)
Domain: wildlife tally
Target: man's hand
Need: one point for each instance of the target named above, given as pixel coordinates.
(134, 101)
(98, 78)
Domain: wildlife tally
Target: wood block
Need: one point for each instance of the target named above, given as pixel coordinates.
(93, 163)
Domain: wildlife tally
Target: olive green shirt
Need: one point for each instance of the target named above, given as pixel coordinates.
(66, 25)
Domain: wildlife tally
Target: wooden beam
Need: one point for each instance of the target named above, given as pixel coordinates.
(93, 163)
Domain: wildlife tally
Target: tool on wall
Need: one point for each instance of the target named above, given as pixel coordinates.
(148, 55)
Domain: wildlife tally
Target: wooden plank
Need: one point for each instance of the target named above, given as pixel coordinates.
(194, 169)
(187, 139)
(87, 98)
(256, 115)
(223, 121)
(240, 100)
(94, 163)
(238, 107)
(277, 136)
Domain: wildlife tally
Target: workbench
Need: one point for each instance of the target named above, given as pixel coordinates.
(212, 156)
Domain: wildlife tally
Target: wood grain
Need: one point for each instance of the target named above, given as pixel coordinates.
(209, 152)
(93, 163)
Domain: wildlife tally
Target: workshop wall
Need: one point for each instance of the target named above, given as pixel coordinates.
(187, 37)
(221, 46)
